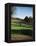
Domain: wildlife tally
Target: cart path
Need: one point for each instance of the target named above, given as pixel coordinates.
(20, 37)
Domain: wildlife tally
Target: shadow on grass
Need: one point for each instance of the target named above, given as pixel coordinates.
(23, 32)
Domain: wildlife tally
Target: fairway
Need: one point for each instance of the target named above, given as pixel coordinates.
(22, 26)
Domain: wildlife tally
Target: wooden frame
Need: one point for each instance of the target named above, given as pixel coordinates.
(8, 22)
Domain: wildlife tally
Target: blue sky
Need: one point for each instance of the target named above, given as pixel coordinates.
(22, 12)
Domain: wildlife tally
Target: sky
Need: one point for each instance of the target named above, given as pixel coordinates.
(22, 12)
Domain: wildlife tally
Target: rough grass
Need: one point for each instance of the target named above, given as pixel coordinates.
(24, 32)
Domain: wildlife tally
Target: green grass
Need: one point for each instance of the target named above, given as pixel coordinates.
(22, 26)
(23, 32)
(17, 28)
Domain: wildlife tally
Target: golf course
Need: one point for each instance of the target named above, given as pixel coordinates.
(20, 30)
(21, 23)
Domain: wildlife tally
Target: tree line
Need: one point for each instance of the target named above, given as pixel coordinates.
(28, 19)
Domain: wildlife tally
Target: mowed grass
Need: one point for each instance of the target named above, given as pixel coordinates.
(21, 26)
